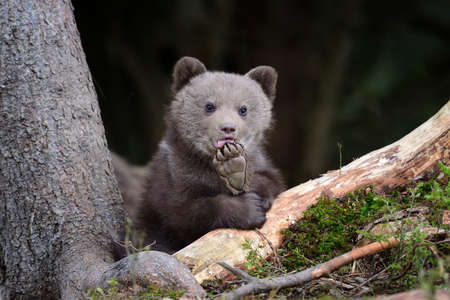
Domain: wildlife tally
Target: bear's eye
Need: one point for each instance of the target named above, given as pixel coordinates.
(209, 107)
(243, 110)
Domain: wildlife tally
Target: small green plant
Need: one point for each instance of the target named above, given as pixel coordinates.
(112, 292)
(437, 277)
(255, 264)
(444, 169)
(154, 292)
(134, 239)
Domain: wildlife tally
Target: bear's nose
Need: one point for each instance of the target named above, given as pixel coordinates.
(228, 128)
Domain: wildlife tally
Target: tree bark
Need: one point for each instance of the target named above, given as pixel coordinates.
(409, 159)
(60, 208)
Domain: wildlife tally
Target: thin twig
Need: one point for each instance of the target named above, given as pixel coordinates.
(405, 213)
(403, 272)
(338, 283)
(238, 272)
(275, 255)
(367, 281)
(443, 241)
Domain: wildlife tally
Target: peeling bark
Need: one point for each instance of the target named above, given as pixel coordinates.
(408, 159)
(60, 208)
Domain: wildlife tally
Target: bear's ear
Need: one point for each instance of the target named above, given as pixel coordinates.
(185, 69)
(266, 77)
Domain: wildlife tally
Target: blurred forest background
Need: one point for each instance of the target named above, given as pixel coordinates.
(361, 73)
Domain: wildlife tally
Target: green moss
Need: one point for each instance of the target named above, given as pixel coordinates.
(330, 227)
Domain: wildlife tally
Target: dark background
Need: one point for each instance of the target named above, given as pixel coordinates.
(362, 73)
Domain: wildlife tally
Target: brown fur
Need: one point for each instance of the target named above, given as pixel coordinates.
(184, 196)
(131, 180)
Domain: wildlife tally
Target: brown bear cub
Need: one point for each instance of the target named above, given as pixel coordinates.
(211, 170)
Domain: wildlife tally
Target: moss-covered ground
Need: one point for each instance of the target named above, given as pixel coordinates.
(333, 227)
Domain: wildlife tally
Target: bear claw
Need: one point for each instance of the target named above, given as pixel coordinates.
(231, 165)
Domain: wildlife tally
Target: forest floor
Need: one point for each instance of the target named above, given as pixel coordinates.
(335, 226)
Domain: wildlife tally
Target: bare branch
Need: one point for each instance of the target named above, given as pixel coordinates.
(256, 285)
(238, 272)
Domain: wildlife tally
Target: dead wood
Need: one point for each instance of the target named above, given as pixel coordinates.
(410, 158)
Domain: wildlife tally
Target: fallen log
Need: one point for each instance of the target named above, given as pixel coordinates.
(413, 157)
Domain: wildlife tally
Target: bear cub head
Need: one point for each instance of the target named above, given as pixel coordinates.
(211, 109)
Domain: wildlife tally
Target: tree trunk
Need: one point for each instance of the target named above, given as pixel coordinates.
(409, 159)
(60, 207)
